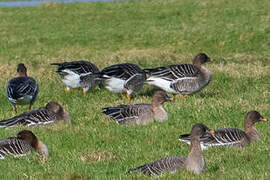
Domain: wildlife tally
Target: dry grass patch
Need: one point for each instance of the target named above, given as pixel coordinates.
(97, 156)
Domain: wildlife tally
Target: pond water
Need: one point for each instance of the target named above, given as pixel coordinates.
(39, 2)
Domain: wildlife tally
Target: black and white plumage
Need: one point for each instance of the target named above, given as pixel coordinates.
(194, 162)
(140, 114)
(78, 74)
(124, 77)
(23, 89)
(231, 136)
(183, 78)
(22, 145)
(51, 113)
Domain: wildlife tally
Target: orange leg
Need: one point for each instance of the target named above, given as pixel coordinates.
(128, 96)
(68, 90)
(84, 92)
(15, 109)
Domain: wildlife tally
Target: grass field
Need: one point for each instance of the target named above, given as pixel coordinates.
(148, 33)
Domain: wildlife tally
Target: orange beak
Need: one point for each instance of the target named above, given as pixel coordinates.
(68, 90)
(212, 131)
(264, 119)
(171, 98)
(211, 59)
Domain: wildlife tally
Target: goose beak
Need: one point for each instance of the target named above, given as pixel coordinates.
(263, 119)
(169, 98)
(212, 131)
(211, 59)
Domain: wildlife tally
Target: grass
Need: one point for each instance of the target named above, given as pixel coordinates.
(148, 33)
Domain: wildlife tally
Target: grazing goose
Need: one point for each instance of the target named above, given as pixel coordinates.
(140, 114)
(124, 77)
(51, 113)
(231, 136)
(78, 74)
(22, 90)
(22, 145)
(194, 162)
(181, 79)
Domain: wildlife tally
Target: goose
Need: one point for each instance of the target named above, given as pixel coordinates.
(22, 90)
(232, 136)
(182, 79)
(22, 145)
(51, 113)
(78, 74)
(140, 114)
(124, 77)
(194, 162)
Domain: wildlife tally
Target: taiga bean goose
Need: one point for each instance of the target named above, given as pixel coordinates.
(51, 113)
(231, 136)
(22, 145)
(194, 162)
(181, 79)
(140, 114)
(124, 77)
(78, 74)
(23, 89)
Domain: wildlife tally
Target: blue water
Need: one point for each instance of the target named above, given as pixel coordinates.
(39, 2)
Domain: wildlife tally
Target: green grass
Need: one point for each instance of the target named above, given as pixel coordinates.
(148, 33)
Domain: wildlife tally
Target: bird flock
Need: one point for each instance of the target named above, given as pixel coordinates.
(128, 78)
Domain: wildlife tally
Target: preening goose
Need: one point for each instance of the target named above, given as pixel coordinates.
(194, 162)
(22, 90)
(231, 136)
(78, 74)
(140, 114)
(51, 113)
(181, 79)
(124, 77)
(22, 145)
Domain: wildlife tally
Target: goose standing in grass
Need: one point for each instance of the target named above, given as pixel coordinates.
(23, 89)
(140, 114)
(194, 162)
(124, 77)
(78, 74)
(22, 145)
(181, 79)
(51, 113)
(231, 136)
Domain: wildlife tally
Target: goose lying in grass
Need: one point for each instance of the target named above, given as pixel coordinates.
(140, 114)
(51, 113)
(231, 136)
(22, 145)
(181, 79)
(23, 89)
(194, 162)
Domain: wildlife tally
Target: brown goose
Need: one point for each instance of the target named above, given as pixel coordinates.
(140, 114)
(51, 113)
(23, 89)
(22, 145)
(231, 136)
(181, 79)
(194, 162)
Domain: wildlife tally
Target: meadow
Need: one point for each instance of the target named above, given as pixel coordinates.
(149, 33)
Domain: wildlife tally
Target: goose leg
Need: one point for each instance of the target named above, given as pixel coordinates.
(128, 96)
(30, 107)
(68, 90)
(15, 109)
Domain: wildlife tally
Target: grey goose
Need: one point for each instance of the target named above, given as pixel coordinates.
(231, 136)
(194, 162)
(51, 113)
(124, 77)
(22, 145)
(22, 90)
(140, 114)
(181, 79)
(78, 74)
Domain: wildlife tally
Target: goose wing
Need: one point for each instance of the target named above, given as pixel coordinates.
(125, 113)
(122, 71)
(167, 164)
(20, 87)
(174, 72)
(14, 147)
(78, 67)
(39, 116)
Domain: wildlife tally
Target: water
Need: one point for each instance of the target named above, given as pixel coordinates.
(39, 2)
